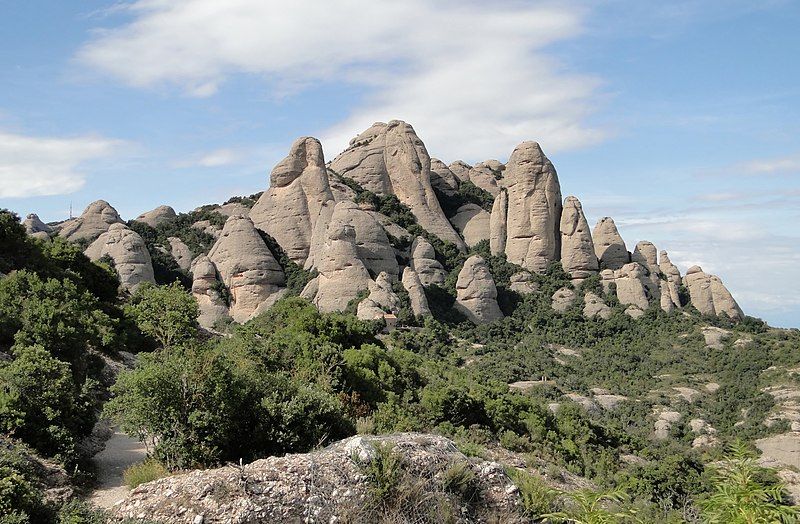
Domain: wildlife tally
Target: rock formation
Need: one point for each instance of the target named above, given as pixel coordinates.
(129, 253)
(95, 220)
(36, 228)
(180, 252)
(382, 300)
(416, 293)
(157, 216)
(646, 255)
(208, 228)
(233, 208)
(577, 249)
(391, 159)
(606, 279)
(631, 280)
(424, 263)
(594, 306)
(460, 169)
(523, 283)
(476, 293)
(609, 246)
(206, 289)
(472, 221)
(709, 295)
(483, 176)
(497, 224)
(563, 299)
(442, 179)
(672, 284)
(298, 190)
(534, 208)
(248, 269)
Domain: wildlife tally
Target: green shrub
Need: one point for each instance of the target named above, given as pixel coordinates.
(166, 313)
(537, 497)
(143, 472)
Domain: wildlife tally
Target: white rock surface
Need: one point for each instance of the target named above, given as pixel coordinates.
(476, 292)
(129, 253)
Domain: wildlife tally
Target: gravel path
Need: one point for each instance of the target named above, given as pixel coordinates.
(120, 452)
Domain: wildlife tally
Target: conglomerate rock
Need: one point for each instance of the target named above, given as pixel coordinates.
(128, 251)
(476, 294)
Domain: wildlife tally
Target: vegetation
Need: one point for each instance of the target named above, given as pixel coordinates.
(142, 472)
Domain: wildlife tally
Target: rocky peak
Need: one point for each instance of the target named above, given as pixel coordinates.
(609, 246)
(157, 216)
(577, 249)
(476, 292)
(95, 219)
(128, 251)
(709, 295)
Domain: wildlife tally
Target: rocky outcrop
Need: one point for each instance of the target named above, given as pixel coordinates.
(460, 169)
(298, 190)
(646, 255)
(207, 290)
(372, 244)
(631, 280)
(634, 311)
(671, 286)
(523, 283)
(95, 220)
(180, 252)
(391, 159)
(577, 249)
(472, 221)
(340, 190)
(476, 294)
(233, 208)
(129, 253)
(416, 293)
(36, 228)
(423, 261)
(563, 299)
(485, 177)
(606, 280)
(709, 295)
(498, 224)
(382, 300)
(329, 485)
(609, 246)
(442, 179)
(157, 216)
(594, 306)
(534, 208)
(248, 269)
(208, 228)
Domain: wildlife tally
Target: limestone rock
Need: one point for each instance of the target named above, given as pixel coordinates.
(424, 263)
(709, 295)
(247, 268)
(594, 306)
(180, 252)
(472, 221)
(577, 249)
(416, 293)
(460, 169)
(95, 220)
(476, 293)
(206, 290)
(523, 283)
(609, 246)
(298, 190)
(631, 283)
(381, 300)
(563, 299)
(534, 208)
(157, 216)
(442, 179)
(129, 253)
(391, 159)
(342, 274)
(498, 224)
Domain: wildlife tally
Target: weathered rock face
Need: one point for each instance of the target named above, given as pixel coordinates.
(342, 274)
(298, 190)
(709, 295)
(157, 216)
(372, 244)
(577, 249)
(416, 293)
(632, 282)
(472, 221)
(594, 306)
(129, 253)
(534, 208)
(424, 263)
(609, 246)
(606, 279)
(278, 488)
(672, 285)
(486, 178)
(391, 159)
(206, 290)
(476, 293)
(634, 311)
(381, 300)
(442, 179)
(460, 169)
(247, 268)
(563, 299)
(646, 255)
(498, 224)
(95, 219)
(207, 227)
(180, 252)
(36, 228)
(340, 190)
(523, 283)
(233, 208)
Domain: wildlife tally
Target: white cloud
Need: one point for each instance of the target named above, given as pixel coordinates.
(474, 78)
(37, 166)
(216, 158)
(772, 165)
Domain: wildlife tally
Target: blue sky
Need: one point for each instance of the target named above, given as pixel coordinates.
(679, 119)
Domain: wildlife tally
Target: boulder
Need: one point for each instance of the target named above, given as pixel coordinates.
(208, 228)
(498, 224)
(672, 284)
(342, 274)
(298, 190)
(594, 306)
(442, 179)
(416, 293)
(646, 255)
(472, 221)
(608, 245)
(563, 299)
(129, 253)
(207, 290)
(180, 252)
(606, 279)
(460, 169)
(372, 244)
(95, 220)
(424, 263)
(632, 282)
(476, 294)
(534, 208)
(577, 249)
(485, 178)
(390, 159)
(248, 269)
(381, 300)
(709, 295)
(634, 312)
(35, 227)
(523, 283)
(157, 216)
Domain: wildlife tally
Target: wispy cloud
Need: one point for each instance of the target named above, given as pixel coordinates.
(472, 77)
(773, 165)
(217, 158)
(37, 166)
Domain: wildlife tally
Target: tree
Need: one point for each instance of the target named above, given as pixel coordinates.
(166, 313)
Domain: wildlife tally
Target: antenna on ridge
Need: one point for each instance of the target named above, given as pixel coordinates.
(70, 209)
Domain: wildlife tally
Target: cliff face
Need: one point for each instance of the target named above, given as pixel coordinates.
(324, 218)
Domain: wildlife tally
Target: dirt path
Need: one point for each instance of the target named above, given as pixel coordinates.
(120, 452)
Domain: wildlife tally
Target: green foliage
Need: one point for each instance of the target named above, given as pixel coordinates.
(587, 506)
(143, 472)
(296, 276)
(166, 313)
(537, 497)
(460, 480)
(247, 201)
(385, 471)
(468, 193)
(165, 268)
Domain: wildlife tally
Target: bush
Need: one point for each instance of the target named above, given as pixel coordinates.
(166, 313)
(143, 472)
(537, 497)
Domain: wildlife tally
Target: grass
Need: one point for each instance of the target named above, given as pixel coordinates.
(143, 472)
